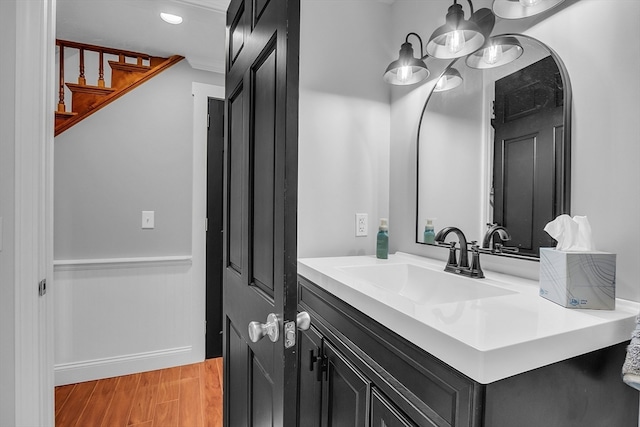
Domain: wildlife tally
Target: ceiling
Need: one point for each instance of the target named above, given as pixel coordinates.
(136, 25)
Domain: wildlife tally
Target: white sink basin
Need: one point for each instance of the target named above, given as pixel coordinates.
(423, 285)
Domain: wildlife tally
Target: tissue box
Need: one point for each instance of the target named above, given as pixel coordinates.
(578, 279)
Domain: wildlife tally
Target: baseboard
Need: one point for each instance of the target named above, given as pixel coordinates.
(75, 372)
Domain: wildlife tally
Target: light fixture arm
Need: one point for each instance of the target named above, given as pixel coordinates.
(470, 5)
(406, 40)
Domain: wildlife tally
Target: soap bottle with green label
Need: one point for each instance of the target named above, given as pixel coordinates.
(429, 232)
(382, 240)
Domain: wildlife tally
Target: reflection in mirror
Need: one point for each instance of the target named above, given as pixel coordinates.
(496, 149)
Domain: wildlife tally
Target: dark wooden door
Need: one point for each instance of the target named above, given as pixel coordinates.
(215, 153)
(529, 159)
(260, 210)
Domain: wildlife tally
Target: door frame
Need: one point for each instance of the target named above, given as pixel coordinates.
(201, 93)
(27, 235)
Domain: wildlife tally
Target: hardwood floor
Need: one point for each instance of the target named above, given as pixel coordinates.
(189, 396)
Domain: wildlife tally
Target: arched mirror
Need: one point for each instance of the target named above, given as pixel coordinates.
(496, 148)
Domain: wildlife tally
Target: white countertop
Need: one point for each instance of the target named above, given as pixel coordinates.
(487, 339)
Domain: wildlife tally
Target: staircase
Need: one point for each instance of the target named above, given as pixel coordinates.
(129, 71)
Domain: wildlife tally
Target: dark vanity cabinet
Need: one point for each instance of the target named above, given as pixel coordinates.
(356, 372)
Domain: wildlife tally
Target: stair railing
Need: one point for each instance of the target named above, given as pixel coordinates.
(82, 47)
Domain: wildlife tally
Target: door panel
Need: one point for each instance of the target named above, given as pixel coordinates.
(261, 209)
(519, 168)
(261, 395)
(345, 394)
(263, 150)
(235, 155)
(235, 360)
(310, 389)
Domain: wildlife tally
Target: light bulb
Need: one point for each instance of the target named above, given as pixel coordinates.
(529, 3)
(405, 73)
(170, 18)
(442, 82)
(492, 54)
(455, 41)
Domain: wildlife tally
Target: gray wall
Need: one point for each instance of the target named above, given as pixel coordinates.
(606, 130)
(343, 125)
(134, 155)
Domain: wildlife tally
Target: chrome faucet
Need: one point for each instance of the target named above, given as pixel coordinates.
(488, 241)
(461, 267)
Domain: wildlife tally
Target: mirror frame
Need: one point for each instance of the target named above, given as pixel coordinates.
(565, 205)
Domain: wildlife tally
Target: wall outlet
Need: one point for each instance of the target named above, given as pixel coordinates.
(148, 219)
(362, 224)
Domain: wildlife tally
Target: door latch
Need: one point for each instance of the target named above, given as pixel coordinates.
(42, 287)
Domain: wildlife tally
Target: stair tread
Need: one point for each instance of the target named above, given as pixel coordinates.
(63, 114)
(98, 90)
(127, 66)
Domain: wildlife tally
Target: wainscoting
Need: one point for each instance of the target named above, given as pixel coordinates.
(120, 316)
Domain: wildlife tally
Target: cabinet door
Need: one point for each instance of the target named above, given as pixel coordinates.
(345, 392)
(310, 363)
(385, 414)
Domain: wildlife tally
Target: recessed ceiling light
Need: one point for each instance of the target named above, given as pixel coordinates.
(170, 18)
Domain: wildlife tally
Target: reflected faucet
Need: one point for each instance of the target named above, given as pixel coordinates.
(488, 241)
(461, 267)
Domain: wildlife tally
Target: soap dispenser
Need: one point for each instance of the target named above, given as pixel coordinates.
(429, 232)
(382, 244)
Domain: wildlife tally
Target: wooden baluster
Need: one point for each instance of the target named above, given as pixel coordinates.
(61, 106)
(101, 71)
(121, 58)
(81, 79)
(139, 60)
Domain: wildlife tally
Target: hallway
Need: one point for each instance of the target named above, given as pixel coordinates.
(189, 396)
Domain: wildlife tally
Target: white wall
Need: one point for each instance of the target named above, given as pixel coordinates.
(344, 125)
(448, 158)
(606, 130)
(128, 299)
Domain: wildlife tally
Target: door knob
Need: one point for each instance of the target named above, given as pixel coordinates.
(303, 321)
(259, 330)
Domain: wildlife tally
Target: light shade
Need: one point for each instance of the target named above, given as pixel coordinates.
(171, 18)
(456, 38)
(407, 69)
(450, 79)
(514, 9)
(500, 50)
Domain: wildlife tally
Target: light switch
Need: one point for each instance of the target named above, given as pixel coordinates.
(148, 219)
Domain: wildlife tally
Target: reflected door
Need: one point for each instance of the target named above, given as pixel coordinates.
(529, 154)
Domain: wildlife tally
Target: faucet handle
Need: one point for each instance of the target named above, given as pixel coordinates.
(452, 253)
(475, 270)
